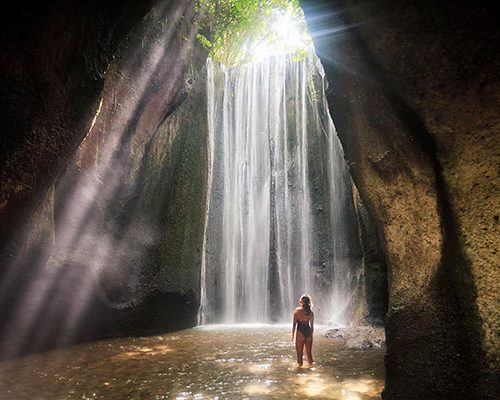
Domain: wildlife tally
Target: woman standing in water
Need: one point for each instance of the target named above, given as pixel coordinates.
(303, 329)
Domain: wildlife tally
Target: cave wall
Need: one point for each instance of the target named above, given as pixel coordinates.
(176, 178)
(373, 297)
(414, 94)
(142, 159)
(95, 159)
(52, 64)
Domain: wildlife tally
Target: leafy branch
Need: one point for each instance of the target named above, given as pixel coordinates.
(233, 29)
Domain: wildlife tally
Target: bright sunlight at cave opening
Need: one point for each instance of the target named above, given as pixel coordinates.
(288, 35)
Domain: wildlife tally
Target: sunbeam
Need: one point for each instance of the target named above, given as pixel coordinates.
(60, 294)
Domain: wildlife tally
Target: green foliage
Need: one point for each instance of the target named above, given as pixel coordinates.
(204, 41)
(235, 31)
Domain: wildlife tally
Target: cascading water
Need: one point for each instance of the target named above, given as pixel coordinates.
(280, 220)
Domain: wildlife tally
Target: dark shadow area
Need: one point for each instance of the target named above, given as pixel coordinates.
(435, 346)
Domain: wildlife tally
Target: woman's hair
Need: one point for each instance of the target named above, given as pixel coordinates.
(306, 302)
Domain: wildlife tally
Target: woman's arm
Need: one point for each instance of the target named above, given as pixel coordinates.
(312, 322)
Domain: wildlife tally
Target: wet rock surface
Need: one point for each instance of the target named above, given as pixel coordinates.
(358, 337)
(374, 267)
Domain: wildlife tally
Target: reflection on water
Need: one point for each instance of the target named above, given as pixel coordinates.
(231, 362)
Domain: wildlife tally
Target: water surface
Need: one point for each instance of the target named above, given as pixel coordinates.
(213, 362)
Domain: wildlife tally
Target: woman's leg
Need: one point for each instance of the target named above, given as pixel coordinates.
(299, 346)
(308, 344)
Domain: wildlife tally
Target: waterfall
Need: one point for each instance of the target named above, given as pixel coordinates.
(279, 220)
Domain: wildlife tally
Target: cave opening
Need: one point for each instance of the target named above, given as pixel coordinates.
(329, 147)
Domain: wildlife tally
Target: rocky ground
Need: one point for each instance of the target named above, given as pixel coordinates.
(359, 337)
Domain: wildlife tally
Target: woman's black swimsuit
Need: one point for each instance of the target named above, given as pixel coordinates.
(304, 328)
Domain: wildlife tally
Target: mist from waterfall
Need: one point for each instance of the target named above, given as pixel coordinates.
(280, 219)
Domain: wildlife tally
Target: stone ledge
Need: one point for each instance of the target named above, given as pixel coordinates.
(358, 337)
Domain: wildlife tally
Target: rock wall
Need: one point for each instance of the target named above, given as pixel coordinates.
(102, 171)
(52, 65)
(142, 168)
(414, 95)
(374, 279)
(177, 179)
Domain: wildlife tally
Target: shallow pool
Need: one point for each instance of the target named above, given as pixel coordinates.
(213, 362)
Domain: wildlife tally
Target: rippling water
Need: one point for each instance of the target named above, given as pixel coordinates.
(213, 362)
